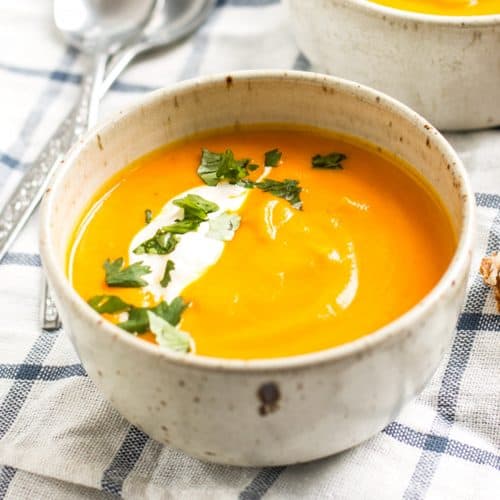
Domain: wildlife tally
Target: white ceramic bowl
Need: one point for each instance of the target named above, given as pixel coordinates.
(260, 412)
(447, 68)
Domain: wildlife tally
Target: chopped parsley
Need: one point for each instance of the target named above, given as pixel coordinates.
(138, 321)
(272, 158)
(215, 167)
(169, 267)
(224, 226)
(332, 161)
(196, 210)
(125, 277)
(169, 336)
(148, 215)
(108, 304)
(162, 243)
(287, 189)
(171, 312)
(182, 226)
(196, 207)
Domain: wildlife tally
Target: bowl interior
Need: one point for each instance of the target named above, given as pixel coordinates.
(423, 17)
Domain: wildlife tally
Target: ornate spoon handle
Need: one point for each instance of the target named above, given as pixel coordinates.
(25, 198)
(28, 193)
(85, 117)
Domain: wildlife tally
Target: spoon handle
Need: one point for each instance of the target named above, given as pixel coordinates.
(86, 116)
(28, 193)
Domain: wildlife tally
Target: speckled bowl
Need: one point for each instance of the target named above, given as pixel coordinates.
(260, 412)
(447, 68)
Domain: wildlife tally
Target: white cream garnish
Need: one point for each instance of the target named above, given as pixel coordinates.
(347, 295)
(196, 251)
(273, 223)
(357, 204)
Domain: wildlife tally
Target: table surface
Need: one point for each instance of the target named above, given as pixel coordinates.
(60, 439)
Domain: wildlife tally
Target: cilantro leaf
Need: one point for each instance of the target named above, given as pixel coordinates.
(207, 170)
(108, 304)
(331, 161)
(171, 312)
(164, 241)
(148, 216)
(215, 167)
(161, 243)
(196, 207)
(224, 226)
(138, 321)
(170, 266)
(288, 189)
(182, 226)
(272, 158)
(168, 336)
(128, 277)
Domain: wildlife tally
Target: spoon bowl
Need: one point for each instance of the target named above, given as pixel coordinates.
(92, 25)
(169, 23)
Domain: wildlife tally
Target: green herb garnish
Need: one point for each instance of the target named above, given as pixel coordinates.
(182, 226)
(167, 335)
(196, 210)
(195, 207)
(224, 226)
(138, 321)
(215, 167)
(171, 312)
(148, 215)
(108, 304)
(126, 277)
(272, 158)
(162, 243)
(331, 161)
(287, 189)
(169, 267)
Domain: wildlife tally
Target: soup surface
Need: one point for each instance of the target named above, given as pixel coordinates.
(446, 7)
(275, 270)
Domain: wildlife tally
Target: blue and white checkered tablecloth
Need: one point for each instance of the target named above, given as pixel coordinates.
(60, 439)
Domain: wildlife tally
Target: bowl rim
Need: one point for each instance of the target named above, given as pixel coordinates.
(457, 267)
(474, 22)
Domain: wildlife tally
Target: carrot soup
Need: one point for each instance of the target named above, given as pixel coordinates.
(445, 7)
(260, 242)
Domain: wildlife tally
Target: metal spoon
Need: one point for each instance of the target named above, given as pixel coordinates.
(169, 22)
(172, 22)
(99, 28)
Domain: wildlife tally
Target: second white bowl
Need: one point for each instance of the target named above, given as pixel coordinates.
(447, 68)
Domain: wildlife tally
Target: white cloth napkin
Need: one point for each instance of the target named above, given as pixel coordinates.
(60, 439)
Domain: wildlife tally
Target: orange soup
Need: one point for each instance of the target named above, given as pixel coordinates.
(446, 7)
(260, 242)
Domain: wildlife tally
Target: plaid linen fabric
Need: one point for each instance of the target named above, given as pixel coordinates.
(60, 439)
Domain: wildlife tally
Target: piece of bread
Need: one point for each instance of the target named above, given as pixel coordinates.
(490, 271)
